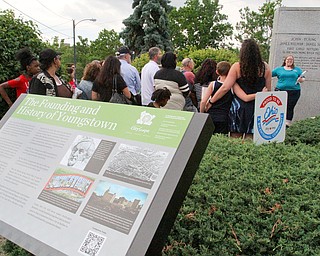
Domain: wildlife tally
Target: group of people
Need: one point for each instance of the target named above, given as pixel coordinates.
(234, 112)
(226, 92)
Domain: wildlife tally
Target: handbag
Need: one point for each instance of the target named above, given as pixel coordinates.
(64, 90)
(116, 97)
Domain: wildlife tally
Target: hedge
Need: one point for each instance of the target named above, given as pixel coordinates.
(306, 131)
(252, 200)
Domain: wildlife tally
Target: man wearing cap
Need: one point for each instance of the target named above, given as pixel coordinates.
(147, 75)
(47, 82)
(129, 73)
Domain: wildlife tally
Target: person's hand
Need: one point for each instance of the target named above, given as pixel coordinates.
(265, 89)
(207, 106)
(300, 79)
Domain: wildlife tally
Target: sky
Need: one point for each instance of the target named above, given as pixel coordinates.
(55, 18)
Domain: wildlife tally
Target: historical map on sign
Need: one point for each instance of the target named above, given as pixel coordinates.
(136, 165)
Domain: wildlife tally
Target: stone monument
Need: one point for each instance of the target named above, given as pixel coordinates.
(296, 31)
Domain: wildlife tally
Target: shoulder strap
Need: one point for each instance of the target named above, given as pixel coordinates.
(114, 82)
(213, 85)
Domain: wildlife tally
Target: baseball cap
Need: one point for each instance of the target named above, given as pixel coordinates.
(48, 55)
(123, 50)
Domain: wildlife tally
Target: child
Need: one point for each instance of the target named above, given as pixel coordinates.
(219, 111)
(160, 98)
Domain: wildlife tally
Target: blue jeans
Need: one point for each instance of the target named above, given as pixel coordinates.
(293, 97)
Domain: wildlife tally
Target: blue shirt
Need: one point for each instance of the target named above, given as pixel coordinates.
(287, 79)
(131, 76)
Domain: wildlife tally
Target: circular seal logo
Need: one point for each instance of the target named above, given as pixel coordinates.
(269, 125)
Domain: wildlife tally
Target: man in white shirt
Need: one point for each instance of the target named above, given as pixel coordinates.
(129, 73)
(147, 75)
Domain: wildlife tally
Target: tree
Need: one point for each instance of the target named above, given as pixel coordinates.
(106, 44)
(15, 34)
(147, 26)
(199, 24)
(258, 25)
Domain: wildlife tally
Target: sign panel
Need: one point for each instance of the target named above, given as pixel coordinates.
(270, 117)
(84, 178)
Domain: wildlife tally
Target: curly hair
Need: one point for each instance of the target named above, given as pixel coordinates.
(207, 72)
(251, 63)
(161, 94)
(91, 71)
(25, 57)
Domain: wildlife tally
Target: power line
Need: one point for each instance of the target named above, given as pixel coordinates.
(53, 11)
(36, 20)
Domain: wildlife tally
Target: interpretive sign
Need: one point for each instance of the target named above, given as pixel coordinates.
(92, 178)
(270, 117)
(296, 32)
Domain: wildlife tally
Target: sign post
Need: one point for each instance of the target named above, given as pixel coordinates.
(270, 117)
(92, 178)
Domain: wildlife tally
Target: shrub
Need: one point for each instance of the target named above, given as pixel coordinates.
(140, 61)
(197, 55)
(251, 200)
(14, 250)
(305, 131)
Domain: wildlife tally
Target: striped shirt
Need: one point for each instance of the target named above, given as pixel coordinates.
(176, 83)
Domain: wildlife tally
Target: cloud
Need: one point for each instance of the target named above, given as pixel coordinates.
(58, 14)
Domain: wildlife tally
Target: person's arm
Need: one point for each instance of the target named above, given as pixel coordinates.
(206, 97)
(228, 83)
(95, 96)
(267, 76)
(138, 82)
(242, 95)
(37, 87)
(274, 72)
(4, 94)
(126, 92)
(183, 84)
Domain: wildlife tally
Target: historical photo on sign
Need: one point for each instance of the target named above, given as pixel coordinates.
(136, 165)
(66, 189)
(80, 152)
(114, 206)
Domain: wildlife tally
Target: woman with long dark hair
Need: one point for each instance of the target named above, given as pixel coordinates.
(29, 67)
(252, 74)
(109, 74)
(204, 76)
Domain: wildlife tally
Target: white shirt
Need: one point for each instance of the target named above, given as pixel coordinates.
(147, 81)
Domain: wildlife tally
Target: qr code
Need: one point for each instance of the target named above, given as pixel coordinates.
(92, 244)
